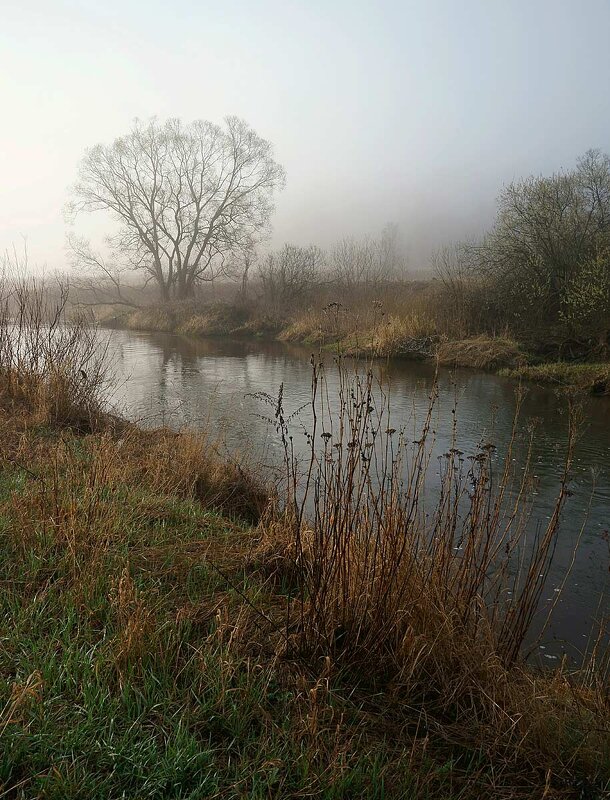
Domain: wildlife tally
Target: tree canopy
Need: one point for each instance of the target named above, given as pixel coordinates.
(543, 270)
(185, 197)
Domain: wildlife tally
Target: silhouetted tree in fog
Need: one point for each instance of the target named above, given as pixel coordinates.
(368, 262)
(289, 274)
(185, 197)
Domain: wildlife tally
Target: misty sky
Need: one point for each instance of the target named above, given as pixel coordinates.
(414, 112)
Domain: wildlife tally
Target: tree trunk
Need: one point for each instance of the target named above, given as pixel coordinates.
(183, 291)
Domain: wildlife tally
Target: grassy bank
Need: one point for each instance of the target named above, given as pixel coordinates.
(145, 654)
(590, 378)
(173, 629)
(370, 332)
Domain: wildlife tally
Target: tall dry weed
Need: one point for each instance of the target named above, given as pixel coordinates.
(52, 365)
(428, 597)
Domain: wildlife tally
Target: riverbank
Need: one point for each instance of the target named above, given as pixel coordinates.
(590, 378)
(370, 335)
(153, 644)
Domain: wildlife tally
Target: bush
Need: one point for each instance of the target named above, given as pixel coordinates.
(52, 366)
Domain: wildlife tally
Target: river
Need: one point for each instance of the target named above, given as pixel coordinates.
(177, 381)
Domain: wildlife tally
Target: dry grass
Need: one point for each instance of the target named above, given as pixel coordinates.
(367, 331)
(374, 321)
(396, 336)
(197, 325)
(373, 640)
(190, 318)
(50, 364)
(360, 637)
(187, 464)
(311, 327)
(481, 352)
(153, 318)
(430, 606)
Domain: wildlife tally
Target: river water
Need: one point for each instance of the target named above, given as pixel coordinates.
(178, 381)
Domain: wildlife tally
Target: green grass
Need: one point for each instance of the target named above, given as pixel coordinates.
(213, 727)
(166, 632)
(143, 655)
(178, 711)
(592, 378)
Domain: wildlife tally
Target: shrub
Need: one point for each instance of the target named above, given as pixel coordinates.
(52, 366)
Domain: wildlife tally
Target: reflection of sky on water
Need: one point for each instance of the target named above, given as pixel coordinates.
(178, 381)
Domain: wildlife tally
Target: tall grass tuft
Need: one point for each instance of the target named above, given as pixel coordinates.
(430, 599)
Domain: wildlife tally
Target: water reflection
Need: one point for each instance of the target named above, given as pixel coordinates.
(179, 381)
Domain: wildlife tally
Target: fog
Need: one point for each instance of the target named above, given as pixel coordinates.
(411, 112)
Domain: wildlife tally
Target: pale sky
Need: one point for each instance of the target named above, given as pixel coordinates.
(414, 112)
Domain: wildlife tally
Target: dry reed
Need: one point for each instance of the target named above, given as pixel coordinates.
(429, 603)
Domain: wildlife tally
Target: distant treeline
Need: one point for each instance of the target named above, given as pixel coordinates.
(540, 276)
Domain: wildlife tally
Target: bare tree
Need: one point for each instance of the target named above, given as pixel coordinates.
(287, 276)
(99, 281)
(185, 197)
(352, 262)
(464, 293)
(248, 259)
(368, 262)
(391, 258)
